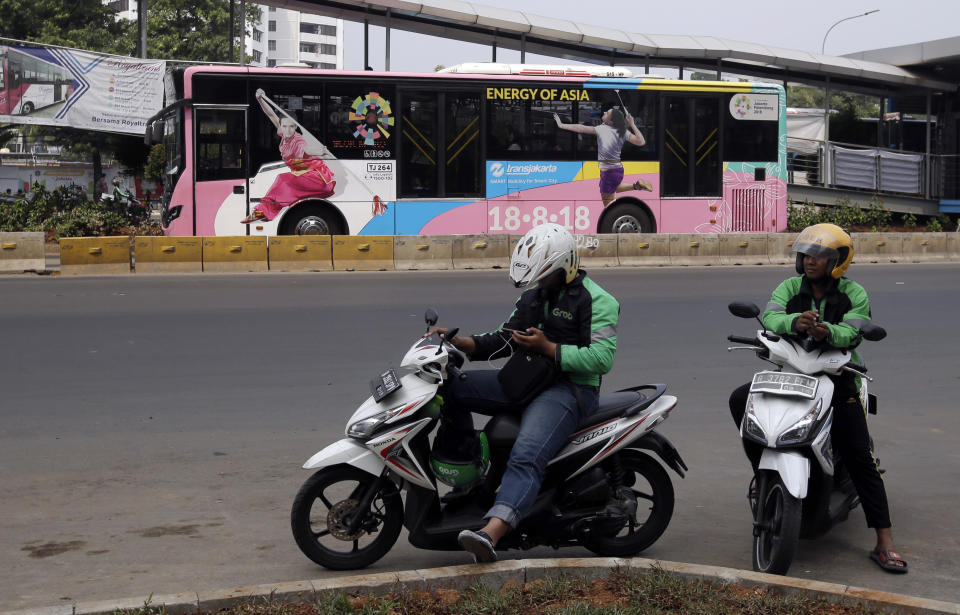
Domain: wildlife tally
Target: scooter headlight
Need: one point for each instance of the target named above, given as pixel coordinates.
(751, 427)
(801, 429)
(364, 428)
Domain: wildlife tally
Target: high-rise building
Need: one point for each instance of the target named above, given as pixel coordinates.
(290, 37)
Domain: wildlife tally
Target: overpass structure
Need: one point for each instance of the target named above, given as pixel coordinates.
(903, 78)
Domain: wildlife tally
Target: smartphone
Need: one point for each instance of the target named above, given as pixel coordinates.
(517, 331)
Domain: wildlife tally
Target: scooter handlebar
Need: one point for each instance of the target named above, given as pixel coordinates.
(738, 339)
(454, 372)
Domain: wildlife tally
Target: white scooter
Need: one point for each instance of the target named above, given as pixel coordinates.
(600, 491)
(800, 489)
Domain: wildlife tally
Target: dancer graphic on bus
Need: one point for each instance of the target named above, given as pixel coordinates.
(611, 134)
(309, 176)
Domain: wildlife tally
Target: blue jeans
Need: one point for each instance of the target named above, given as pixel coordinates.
(545, 425)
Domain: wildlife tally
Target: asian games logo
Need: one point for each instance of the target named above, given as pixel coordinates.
(742, 105)
(496, 169)
(374, 115)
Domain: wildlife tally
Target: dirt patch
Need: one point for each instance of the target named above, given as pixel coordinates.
(49, 549)
(167, 530)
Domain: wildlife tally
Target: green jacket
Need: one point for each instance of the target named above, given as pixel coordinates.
(581, 319)
(844, 308)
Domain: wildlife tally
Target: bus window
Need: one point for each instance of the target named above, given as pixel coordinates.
(526, 130)
(749, 140)
(306, 109)
(360, 121)
(419, 155)
(643, 108)
(221, 136)
(464, 167)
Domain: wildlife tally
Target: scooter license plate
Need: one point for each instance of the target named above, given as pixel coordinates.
(384, 384)
(782, 383)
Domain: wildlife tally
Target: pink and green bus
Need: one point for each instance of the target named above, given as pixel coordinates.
(474, 149)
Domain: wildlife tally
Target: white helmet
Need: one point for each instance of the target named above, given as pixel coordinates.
(544, 249)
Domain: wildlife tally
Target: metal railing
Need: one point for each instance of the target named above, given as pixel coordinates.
(872, 169)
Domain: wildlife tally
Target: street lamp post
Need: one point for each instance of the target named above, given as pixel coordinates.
(824, 44)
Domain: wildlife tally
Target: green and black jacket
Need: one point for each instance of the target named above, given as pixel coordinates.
(581, 318)
(844, 308)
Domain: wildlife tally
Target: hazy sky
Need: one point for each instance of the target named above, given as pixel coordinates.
(800, 24)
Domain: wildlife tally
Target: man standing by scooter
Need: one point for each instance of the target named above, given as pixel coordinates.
(822, 304)
(563, 318)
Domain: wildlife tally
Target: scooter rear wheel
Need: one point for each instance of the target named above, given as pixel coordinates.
(654, 492)
(778, 526)
(323, 507)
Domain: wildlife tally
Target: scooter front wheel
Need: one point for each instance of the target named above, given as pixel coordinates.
(776, 525)
(325, 524)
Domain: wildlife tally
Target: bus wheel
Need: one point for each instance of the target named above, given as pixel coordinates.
(26, 109)
(312, 220)
(626, 218)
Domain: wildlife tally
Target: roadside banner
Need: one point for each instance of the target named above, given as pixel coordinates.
(79, 89)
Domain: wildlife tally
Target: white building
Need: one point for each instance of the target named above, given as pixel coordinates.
(289, 37)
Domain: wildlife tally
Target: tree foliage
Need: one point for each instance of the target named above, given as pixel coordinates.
(84, 24)
(196, 30)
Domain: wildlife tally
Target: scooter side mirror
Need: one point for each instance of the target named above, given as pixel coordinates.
(872, 332)
(431, 317)
(744, 309)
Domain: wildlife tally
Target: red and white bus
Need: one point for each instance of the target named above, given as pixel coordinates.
(31, 81)
(475, 149)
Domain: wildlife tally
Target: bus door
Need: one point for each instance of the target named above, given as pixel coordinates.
(440, 144)
(690, 163)
(221, 178)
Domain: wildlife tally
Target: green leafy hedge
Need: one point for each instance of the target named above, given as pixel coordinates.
(852, 217)
(68, 212)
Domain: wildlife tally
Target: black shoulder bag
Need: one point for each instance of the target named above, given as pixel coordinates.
(525, 375)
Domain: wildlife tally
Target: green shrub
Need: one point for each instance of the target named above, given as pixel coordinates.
(934, 226)
(909, 220)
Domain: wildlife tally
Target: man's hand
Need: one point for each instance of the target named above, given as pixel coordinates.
(556, 118)
(630, 121)
(465, 344)
(535, 341)
(807, 320)
(819, 331)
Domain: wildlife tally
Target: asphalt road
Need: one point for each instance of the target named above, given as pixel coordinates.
(152, 428)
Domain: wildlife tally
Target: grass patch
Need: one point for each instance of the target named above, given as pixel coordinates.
(622, 592)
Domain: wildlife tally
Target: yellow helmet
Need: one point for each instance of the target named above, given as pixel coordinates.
(827, 241)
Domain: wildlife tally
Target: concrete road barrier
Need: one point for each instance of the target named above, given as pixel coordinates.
(877, 248)
(481, 251)
(423, 252)
(363, 253)
(780, 248)
(94, 255)
(234, 254)
(168, 255)
(694, 249)
(21, 252)
(924, 247)
(643, 249)
(953, 246)
(598, 251)
(744, 249)
(300, 253)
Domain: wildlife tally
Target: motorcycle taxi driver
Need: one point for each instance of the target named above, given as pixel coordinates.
(830, 308)
(564, 315)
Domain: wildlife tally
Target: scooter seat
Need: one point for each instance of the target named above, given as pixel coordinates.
(502, 430)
